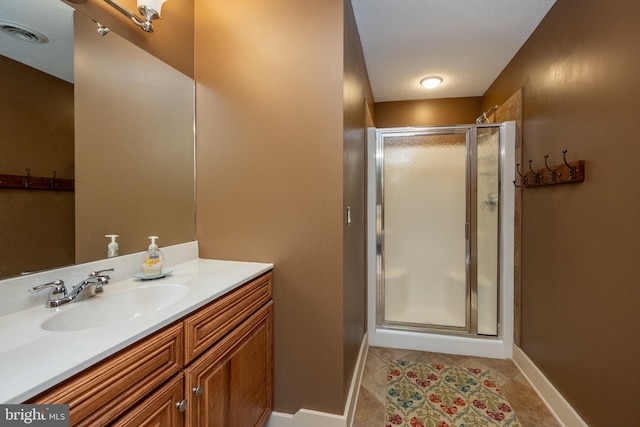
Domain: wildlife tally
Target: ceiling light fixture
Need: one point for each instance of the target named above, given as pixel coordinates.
(431, 82)
(149, 9)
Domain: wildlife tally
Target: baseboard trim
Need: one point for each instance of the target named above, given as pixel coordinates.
(309, 418)
(557, 404)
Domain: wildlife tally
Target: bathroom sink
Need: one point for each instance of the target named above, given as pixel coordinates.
(114, 308)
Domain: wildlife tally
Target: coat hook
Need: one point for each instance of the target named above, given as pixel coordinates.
(536, 176)
(26, 181)
(572, 169)
(523, 178)
(52, 182)
(552, 172)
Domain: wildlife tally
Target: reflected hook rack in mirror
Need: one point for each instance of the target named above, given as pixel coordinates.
(28, 182)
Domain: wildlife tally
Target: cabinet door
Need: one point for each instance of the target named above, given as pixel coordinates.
(158, 409)
(231, 385)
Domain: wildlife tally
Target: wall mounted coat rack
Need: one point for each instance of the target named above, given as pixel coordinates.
(28, 182)
(565, 173)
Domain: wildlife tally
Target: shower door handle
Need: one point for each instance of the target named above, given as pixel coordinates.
(467, 230)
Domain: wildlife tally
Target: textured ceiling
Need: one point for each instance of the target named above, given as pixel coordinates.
(466, 42)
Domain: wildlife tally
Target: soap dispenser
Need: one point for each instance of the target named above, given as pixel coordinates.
(112, 248)
(153, 259)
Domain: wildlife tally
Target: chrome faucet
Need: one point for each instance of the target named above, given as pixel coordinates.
(89, 287)
(57, 295)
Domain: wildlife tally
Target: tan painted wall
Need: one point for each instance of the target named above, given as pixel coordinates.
(171, 40)
(580, 292)
(427, 112)
(36, 118)
(272, 183)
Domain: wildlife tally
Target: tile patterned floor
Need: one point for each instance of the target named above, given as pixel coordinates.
(531, 411)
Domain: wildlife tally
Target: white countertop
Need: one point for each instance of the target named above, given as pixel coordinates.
(33, 359)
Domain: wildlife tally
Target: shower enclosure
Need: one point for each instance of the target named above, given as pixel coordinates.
(443, 236)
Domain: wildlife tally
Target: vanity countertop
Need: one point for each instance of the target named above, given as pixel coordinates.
(33, 359)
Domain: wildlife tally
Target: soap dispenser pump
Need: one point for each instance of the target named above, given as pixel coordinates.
(153, 259)
(112, 248)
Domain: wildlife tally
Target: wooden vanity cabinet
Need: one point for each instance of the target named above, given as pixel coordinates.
(231, 385)
(212, 368)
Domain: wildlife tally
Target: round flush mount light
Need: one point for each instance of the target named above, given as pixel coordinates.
(21, 32)
(431, 82)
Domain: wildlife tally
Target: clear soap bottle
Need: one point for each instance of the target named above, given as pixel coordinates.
(112, 248)
(153, 259)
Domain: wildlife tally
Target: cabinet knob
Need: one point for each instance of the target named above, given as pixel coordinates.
(197, 390)
(182, 406)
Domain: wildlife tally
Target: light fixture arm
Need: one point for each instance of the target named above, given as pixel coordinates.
(147, 12)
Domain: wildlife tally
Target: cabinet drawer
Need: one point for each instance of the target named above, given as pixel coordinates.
(215, 320)
(108, 389)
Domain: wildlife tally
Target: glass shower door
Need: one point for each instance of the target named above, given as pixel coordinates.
(425, 238)
(438, 229)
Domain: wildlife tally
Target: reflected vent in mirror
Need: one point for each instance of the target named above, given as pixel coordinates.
(22, 33)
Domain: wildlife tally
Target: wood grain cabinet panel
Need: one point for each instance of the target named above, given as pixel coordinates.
(108, 389)
(215, 320)
(231, 385)
(159, 409)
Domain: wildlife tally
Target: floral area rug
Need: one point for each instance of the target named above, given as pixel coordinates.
(433, 395)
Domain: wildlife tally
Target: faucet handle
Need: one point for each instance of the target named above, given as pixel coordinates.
(57, 287)
(89, 287)
(100, 273)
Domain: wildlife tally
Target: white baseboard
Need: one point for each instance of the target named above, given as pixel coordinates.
(306, 418)
(556, 403)
(309, 418)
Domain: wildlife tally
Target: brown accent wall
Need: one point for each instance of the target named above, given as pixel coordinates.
(271, 178)
(579, 72)
(357, 96)
(171, 40)
(427, 112)
(36, 122)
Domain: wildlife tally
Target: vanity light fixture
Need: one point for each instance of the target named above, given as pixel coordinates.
(149, 9)
(431, 82)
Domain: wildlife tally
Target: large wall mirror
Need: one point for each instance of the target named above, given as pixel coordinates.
(102, 114)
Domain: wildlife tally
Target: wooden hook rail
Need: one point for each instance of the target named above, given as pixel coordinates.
(28, 182)
(564, 173)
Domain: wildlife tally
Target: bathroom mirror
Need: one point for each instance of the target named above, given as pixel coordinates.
(120, 125)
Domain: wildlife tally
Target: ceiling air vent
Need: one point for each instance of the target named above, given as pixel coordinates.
(21, 32)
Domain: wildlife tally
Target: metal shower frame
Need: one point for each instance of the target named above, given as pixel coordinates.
(471, 314)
